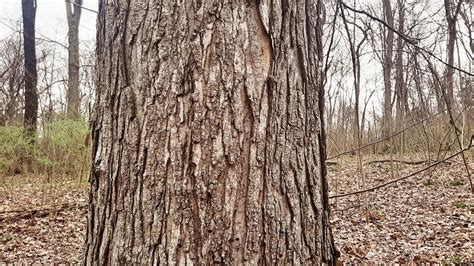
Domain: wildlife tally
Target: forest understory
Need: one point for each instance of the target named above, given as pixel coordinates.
(428, 218)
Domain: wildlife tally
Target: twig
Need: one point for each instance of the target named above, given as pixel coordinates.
(452, 121)
(410, 40)
(386, 138)
(326, 67)
(404, 177)
(401, 161)
(80, 6)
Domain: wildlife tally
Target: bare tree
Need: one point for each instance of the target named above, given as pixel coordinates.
(11, 79)
(387, 69)
(400, 86)
(355, 50)
(31, 95)
(452, 11)
(88, 77)
(73, 13)
(467, 88)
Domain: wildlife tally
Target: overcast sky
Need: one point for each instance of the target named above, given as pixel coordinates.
(50, 18)
(51, 24)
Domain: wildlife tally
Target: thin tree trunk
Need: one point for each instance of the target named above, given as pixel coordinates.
(438, 90)
(31, 95)
(467, 92)
(73, 14)
(209, 143)
(399, 77)
(451, 17)
(387, 70)
(423, 110)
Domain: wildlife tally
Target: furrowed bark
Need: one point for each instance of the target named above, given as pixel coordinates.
(208, 134)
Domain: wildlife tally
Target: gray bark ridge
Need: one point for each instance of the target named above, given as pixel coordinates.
(208, 139)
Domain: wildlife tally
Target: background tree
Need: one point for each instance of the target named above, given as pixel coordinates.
(11, 79)
(73, 14)
(467, 91)
(387, 55)
(208, 139)
(452, 9)
(31, 95)
(400, 86)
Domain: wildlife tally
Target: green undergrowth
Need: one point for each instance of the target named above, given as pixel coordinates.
(61, 150)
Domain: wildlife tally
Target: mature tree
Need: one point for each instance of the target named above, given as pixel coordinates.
(28, 8)
(73, 13)
(208, 134)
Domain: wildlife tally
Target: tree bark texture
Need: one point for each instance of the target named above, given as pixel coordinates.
(73, 14)
(208, 139)
(28, 8)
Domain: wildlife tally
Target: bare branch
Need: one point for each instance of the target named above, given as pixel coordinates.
(407, 176)
(386, 138)
(409, 40)
(85, 8)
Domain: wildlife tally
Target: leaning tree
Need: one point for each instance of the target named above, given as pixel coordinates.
(208, 136)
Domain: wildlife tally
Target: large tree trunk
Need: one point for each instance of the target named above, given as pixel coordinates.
(31, 95)
(387, 71)
(73, 13)
(208, 139)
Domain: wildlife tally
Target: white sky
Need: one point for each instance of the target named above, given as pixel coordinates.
(51, 23)
(50, 18)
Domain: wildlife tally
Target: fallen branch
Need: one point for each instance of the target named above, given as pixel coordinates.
(402, 161)
(404, 177)
(6, 216)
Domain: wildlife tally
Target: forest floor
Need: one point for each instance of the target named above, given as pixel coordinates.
(425, 218)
